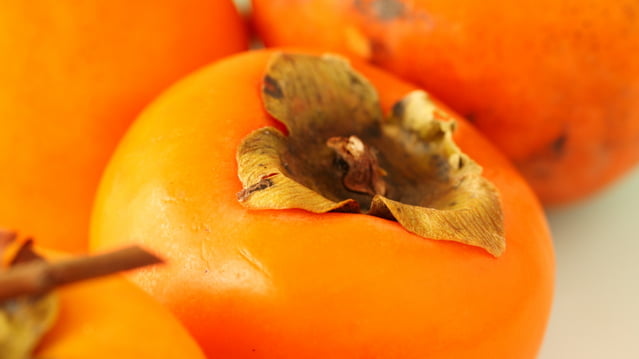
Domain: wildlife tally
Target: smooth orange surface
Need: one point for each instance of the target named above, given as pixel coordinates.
(291, 284)
(554, 84)
(111, 318)
(73, 76)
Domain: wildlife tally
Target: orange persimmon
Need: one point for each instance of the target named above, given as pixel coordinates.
(111, 318)
(74, 76)
(290, 283)
(554, 84)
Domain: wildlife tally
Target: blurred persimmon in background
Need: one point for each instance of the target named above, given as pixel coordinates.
(73, 75)
(554, 84)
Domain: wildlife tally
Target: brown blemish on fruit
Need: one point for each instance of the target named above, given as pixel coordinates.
(471, 117)
(558, 146)
(540, 165)
(382, 10)
(380, 52)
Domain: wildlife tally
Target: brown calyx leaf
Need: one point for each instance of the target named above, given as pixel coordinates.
(28, 306)
(341, 154)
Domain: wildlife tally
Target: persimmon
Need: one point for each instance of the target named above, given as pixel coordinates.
(249, 281)
(554, 84)
(98, 318)
(74, 76)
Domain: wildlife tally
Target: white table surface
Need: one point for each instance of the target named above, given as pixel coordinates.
(596, 307)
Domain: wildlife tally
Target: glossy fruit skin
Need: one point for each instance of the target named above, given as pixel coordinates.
(554, 84)
(111, 318)
(74, 76)
(288, 283)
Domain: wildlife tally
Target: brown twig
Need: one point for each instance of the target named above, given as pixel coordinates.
(37, 277)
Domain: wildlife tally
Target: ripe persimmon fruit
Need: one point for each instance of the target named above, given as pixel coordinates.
(74, 76)
(276, 283)
(554, 84)
(110, 317)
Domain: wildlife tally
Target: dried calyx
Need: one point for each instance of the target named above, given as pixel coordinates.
(342, 154)
(28, 304)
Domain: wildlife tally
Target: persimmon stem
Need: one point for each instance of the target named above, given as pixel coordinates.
(364, 174)
(37, 277)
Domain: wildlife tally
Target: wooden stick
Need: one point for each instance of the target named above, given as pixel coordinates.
(37, 277)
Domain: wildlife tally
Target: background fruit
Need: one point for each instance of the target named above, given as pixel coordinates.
(111, 318)
(73, 76)
(555, 84)
(292, 284)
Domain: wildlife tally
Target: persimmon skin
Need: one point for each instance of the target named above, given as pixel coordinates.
(288, 283)
(74, 76)
(554, 84)
(112, 318)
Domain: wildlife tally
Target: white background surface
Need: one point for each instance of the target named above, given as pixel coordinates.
(596, 307)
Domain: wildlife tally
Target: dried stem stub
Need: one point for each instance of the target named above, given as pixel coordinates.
(36, 277)
(28, 303)
(363, 174)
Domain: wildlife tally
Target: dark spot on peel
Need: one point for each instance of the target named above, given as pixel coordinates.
(272, 88)
(382, 10)
(386, 10)
(558, 146)
(380, 53)
(630, 12)
(471, 117)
